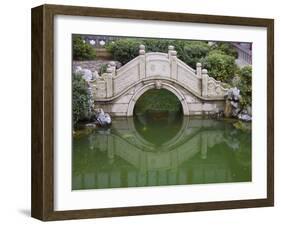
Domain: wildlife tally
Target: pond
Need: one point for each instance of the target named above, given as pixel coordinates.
(159, 149)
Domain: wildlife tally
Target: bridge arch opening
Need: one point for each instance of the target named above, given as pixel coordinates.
(158, 100)
(158, 111)
(152, 86)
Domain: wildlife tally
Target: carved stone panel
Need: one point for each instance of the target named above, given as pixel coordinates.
(125, 80)
(158, 68)
(190, 80)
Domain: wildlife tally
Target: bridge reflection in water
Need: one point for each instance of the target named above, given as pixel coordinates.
(151, 150)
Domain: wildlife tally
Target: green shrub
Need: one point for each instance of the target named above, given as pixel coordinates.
(245, 85)
(82, 50)
(157, 45)
(226, 48)
(124, 50)
(192, 52)
(220, 66)
(80, 99)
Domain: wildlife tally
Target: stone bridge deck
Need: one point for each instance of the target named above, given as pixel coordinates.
(117, 90)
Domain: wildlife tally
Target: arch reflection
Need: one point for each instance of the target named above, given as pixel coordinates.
(201, 151)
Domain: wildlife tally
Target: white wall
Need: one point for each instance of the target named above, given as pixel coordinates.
(15, 112)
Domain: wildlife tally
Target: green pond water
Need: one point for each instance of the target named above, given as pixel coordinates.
(159, 149)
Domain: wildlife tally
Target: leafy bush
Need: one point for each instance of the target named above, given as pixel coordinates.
(226, 48)
(124, 50)
(220, 66)
(192, 52)
(157, 45)
(80, 99)
(82, 50)
(245, 85)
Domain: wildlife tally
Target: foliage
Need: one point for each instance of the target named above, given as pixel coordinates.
(124, 50)
(220, 66)
(103, 69)
(190, 52)
(226, 48)
(157, 45)
(82, 50)
(158, 100)
(80, 99)
(243, 126)
(245, 85)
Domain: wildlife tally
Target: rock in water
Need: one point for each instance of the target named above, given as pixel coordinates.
(103, 119)
(245, 116)
(233, 108)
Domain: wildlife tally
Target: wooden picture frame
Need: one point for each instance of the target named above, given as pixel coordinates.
(42, 203)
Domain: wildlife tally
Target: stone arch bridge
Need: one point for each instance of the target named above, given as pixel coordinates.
(117, 90)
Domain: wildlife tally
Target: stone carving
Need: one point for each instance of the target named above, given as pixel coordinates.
(152, 67)
(142, 50)
(215, 88)
(232, 106)
(158, 84)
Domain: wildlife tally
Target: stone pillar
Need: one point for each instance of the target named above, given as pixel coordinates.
(100, 89)
(112, 65)
(199, 69)
(205, 78)
(142, 62)
(109, 82)
(172, 54)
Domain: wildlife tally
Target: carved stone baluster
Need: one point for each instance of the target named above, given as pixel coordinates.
(110, 72)
(142, 62)
(205, 78)
(199, 69)
(173, 61)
